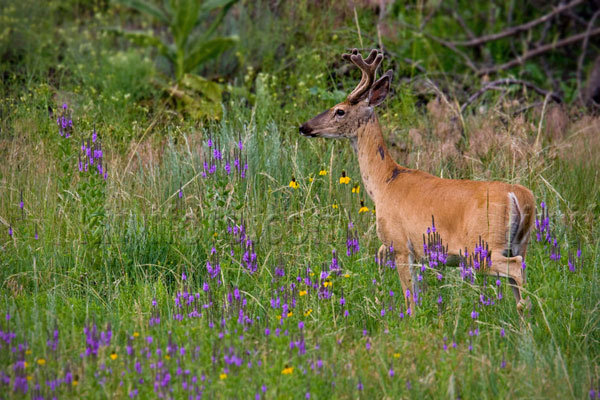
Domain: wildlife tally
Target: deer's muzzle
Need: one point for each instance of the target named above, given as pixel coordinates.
(306, 130)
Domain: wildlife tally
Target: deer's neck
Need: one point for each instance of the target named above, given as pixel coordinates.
(376, 164)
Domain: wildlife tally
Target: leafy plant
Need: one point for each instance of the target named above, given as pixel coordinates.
(186, 45)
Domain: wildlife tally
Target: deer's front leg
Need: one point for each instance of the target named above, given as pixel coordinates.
(406, 279)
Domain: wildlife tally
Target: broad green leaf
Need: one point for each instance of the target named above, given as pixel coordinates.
(146, 38)
(216, 21)
(146, 8)
(211, 90)
(210, 5)
(206, 50)
(186, 15)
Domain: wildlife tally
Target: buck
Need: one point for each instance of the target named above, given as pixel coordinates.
(405, 199)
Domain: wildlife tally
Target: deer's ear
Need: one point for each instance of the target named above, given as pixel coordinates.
(380, 89)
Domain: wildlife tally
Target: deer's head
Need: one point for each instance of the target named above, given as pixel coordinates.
(344, 119)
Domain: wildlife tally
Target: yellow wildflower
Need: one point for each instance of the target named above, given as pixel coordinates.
(215, 234)
(293, 184)
(307, 312)
(310, 179)
(302, 293)
(28, 351)
(323, 172)
(326, 284)
(363, 208)
(287, 370)
(335, 206)
(396, 355)
(223, 376)
(347, 276)
(136, 334)
(167, 357)
(312, 274)
(290, 314)
(344, 179)
(278, 317)
(356, 189)
(41, 361)
(29, 377)
(113, 356)
(75, 382)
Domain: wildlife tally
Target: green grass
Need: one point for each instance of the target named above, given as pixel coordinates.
(107, 249)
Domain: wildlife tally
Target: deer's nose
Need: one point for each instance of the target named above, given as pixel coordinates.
(305, 130)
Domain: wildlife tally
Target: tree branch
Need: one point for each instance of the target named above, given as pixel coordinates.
(516, 29)
(505, 82)
(583, 51)
(539, 50)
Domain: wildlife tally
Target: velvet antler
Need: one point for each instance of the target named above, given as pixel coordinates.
(368, 68)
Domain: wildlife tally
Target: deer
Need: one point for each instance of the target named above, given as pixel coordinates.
(406, 200)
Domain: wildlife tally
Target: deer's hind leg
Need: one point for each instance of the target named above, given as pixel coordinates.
(512, 268)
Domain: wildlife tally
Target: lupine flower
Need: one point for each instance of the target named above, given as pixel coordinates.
(10, 230)
(352, 244)
(64, 122)
(474, 314)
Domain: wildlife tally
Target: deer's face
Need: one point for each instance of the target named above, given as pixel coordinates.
(344, 119)
(340, 121)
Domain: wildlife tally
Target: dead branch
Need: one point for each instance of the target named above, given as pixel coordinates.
(539, 50)
(583, 51)
(517, 29)
(505, 82)
(455, 49)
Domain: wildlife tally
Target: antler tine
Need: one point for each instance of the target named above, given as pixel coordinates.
(368, 68)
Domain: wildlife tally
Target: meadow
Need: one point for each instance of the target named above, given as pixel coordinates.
(152, 249)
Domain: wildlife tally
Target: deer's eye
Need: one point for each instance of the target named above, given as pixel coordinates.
(339, 112)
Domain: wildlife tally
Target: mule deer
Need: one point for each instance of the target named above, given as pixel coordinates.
(465, 211)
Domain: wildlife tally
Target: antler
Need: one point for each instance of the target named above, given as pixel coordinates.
(368, 68)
